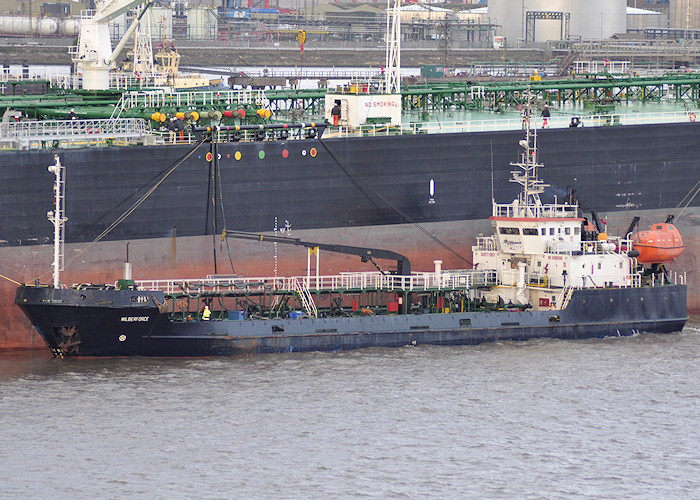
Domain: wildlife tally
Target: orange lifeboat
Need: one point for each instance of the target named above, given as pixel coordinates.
(661, 243)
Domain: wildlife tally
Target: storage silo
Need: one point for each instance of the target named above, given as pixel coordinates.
(202, 23)
(543, 20)
(684, 14)
(641, 19)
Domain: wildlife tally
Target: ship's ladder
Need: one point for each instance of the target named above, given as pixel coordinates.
(306, 299)
(565, 296)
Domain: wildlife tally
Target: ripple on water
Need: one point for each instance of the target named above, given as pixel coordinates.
(542, 418)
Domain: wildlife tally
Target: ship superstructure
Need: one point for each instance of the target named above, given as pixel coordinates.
(544, 250)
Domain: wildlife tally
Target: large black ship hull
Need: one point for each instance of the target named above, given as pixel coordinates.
(128, 323)
(373, 191)
(339, 182)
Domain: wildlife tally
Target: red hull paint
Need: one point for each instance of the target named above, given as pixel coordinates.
(192, 258)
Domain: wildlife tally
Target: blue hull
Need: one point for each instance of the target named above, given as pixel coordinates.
(129, 323)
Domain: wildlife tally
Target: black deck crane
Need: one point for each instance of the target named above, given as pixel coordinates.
(403, 265)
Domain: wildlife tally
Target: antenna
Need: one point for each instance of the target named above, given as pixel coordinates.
(57, 218)
(493, 195)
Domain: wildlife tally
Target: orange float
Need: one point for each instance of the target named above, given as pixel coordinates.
(661, 243)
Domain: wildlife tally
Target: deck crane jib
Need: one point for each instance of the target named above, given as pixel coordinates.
(94, 56)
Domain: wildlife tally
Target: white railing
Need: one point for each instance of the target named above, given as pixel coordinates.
(613, 245)
(160, 98)
(462, 279)
(486, 244)
(499, 124)
(672, 277)
(98, 130)
(550, 211)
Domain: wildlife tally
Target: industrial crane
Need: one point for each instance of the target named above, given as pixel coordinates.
(94, 57)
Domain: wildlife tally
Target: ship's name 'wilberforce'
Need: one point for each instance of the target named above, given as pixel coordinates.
(131, 319)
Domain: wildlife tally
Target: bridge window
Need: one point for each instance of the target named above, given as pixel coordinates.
(551, 231)
(509, 230)
(567, 230)
(577, 230)
(530, 231)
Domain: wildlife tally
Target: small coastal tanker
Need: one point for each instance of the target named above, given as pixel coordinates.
(543, 273)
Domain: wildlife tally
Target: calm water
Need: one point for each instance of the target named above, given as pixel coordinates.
(613, 418)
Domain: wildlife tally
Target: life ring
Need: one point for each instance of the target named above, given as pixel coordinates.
(236, 135)
(312, 133)
(692, 117)
(260, 135)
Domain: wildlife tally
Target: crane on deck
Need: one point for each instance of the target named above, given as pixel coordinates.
(94, 56)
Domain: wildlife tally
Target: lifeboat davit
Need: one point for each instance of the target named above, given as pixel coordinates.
(661, 243)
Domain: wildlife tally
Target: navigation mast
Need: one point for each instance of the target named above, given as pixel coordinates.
(57, 218)
(526, 176)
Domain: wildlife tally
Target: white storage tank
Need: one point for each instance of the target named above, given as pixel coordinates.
(641, 19)
(684, 14)
(70, 27)
(17, 25)
(47, 26)
(479, 15)
(202, 23)
(544, 20)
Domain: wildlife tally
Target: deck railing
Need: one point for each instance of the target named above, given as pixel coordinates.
(516, 123)
(550, 211)
(462, 279)
(27, 133)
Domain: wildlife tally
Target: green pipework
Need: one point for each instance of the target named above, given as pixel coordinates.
(424, 98)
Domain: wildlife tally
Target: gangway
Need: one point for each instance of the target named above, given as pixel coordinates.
(39, 134)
